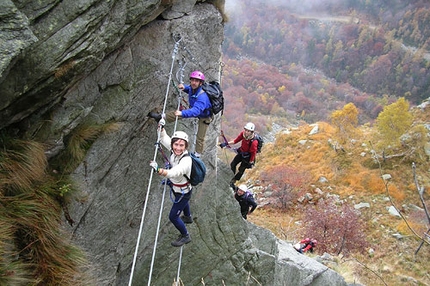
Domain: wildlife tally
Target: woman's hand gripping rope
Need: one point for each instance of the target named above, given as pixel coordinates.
(154, 166)
(161, 123)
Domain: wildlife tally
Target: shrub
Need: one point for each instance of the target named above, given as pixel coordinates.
(337, 227)
(286, 183)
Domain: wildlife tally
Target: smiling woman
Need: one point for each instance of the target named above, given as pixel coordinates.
(177, 172)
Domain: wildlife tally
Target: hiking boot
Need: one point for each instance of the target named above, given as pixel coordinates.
(182, 239)
(187, 219)
(155, 115)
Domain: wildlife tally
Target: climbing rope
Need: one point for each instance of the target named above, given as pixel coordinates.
(179, 75)
(156, 234)
(180, 98)
(179, 266)
(175, 51)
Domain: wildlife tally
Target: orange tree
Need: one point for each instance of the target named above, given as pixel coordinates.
(345, 121)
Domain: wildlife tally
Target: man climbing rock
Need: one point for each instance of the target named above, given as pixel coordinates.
(200, 107)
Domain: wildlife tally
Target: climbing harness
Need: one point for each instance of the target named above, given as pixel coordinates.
(173, 199)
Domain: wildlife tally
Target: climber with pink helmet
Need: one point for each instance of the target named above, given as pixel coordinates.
(200, 107)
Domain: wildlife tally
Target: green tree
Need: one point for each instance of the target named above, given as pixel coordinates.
(345, 121)
(394, 121)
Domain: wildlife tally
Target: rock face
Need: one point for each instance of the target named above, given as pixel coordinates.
(68, 63)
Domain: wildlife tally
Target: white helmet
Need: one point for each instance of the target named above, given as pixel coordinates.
(243, 187)
(250, 126)
(180, 135)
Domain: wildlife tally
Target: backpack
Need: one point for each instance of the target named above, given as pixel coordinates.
(198, 170)
(260, 142)
(215, 94)
(249, 194)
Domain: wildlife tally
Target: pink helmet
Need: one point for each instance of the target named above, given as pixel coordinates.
(198, 75)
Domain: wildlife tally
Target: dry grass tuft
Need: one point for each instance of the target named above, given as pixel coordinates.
(12, 270)
(64, 69)
(33, 250)
(39, 240)
(78, 143)
(21, 164)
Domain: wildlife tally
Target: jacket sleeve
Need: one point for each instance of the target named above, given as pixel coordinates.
(165, 139)
(309, 246)
(253, 150)
(237, 197)
(186, 88)
(199, 107)
(238, 138)
(252, 203)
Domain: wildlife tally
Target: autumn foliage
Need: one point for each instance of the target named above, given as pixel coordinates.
(337, 227)
(356, 72)
(393, 122)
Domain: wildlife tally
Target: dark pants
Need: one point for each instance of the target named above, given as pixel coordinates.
(244, 164)
(203, 125)
(180, 204)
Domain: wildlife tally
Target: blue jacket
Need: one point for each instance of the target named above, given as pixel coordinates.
(200, 105)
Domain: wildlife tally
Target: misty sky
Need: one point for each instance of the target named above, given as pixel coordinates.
(296, 6)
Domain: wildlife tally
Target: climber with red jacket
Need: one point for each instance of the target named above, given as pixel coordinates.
(305, 245)
(245, 153)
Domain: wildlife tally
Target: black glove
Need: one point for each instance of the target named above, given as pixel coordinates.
(251, 165)
(222, 145)
(233, 187)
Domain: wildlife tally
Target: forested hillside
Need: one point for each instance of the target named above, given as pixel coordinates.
(343, 88)
(305, 60)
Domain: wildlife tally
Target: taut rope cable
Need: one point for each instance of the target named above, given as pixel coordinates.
(181, 80)
(179, 266)
(175, 51)
(165, 185)
(156, 235)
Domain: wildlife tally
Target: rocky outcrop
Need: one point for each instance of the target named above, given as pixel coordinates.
(72, 63)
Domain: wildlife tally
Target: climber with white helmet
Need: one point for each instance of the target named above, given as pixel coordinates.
(180, 163)
(200, 107)
(245, 198)
(245, 153)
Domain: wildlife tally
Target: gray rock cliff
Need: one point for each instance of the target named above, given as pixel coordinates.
(69, 63)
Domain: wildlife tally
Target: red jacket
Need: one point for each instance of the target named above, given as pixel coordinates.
(247, 147)
(309, 244)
